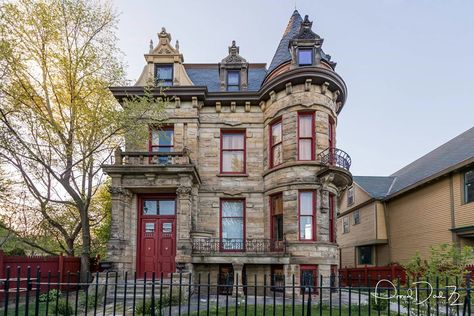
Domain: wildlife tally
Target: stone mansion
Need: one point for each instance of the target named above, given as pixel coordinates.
(245, 175)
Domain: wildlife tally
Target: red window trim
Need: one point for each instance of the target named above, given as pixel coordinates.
(312, 138)
(271, 144)
(150, 138)
(332, 231)
(272, 213)
(314, 268)
(161, 196)
(243, 220)
(314, 216)
(233, 131)
(331, 132)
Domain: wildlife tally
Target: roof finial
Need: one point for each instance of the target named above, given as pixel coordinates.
(177, 45)
(151, 46)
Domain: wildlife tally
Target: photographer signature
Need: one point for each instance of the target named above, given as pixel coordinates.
(451, 295)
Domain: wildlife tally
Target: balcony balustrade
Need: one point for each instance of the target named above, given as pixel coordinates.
(335, 157)
(210, 246)
(133, 158)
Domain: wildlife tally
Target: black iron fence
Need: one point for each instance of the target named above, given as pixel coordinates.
(207, 294)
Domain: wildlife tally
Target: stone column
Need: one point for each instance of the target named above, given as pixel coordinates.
(183, 216)
(117, 243)
(238, 268)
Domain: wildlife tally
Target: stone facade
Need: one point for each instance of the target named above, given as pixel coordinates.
(194, 177)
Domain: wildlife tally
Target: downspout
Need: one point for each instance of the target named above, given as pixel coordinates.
(455, 240)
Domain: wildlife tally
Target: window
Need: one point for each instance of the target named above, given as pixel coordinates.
(232, 225)
(164, 74)
(277, 278)
(307, 203)
(469, 186)
(365, 254)
(165, 206)
(276, 153)
(356, 217)
(161, 139)
(233, 80)
(332, 235)
(276, 206)
(345, 225)
(305, 136)
(309, 278)
(350, 196)
(232, 152)
(305, 56)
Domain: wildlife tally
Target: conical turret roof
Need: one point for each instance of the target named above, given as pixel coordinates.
(282, 53)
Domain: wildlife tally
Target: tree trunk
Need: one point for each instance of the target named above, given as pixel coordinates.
(86, 246)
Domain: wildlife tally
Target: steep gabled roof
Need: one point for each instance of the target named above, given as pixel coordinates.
(282, 53)
(376, 187)
(446, 156)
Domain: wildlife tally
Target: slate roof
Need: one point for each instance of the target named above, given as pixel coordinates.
(376, 187)
(282, 53)
(452, 153)
(208, 75)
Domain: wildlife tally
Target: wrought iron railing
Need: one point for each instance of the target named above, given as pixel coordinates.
(335, 157)
(152, 158)
(216, 245)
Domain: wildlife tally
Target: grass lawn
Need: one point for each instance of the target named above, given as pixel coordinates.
(298, 310)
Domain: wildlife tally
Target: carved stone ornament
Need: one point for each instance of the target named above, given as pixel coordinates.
(234, 57)
(120, 191)
(183, 190)
(306, 32)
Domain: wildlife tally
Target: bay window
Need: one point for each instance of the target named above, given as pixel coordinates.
(232, 225)
(307, 211)
(276, 148)
(232, 152)
(306, 136)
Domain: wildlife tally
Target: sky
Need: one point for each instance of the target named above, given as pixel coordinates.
(408, 64)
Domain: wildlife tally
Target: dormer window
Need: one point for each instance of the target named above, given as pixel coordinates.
(305, 56)
(233, 80)
(164, 75)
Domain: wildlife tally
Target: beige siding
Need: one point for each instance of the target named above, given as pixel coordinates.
(381, 221)
(360, 196)
(419, 220)
(463, 213)
(362, 232)
(347, 257)
(382, 255)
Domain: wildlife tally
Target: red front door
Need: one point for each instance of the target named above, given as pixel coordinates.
(157, 242)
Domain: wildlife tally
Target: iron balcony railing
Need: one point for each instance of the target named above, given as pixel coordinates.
(216, 246)
(335, 157)
(152, 158)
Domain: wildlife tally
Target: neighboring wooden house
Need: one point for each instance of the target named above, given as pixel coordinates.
(429, 202)
(245, 174)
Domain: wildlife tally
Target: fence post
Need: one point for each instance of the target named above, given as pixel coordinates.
(60, 269)
(2, 274)
(392, 271)
(366, 273)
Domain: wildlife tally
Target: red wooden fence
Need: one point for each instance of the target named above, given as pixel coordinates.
(364, 276)
(369, 276)
(54, 269)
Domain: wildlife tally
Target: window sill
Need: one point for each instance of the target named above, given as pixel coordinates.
(224, 175)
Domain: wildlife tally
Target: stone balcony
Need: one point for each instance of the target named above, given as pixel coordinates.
(336, 163)
(151, 164)
(215, 250)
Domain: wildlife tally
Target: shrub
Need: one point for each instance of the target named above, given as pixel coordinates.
(166, 300)
(50, 296)
(380, 303)
(145, 309)
(63, 308)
